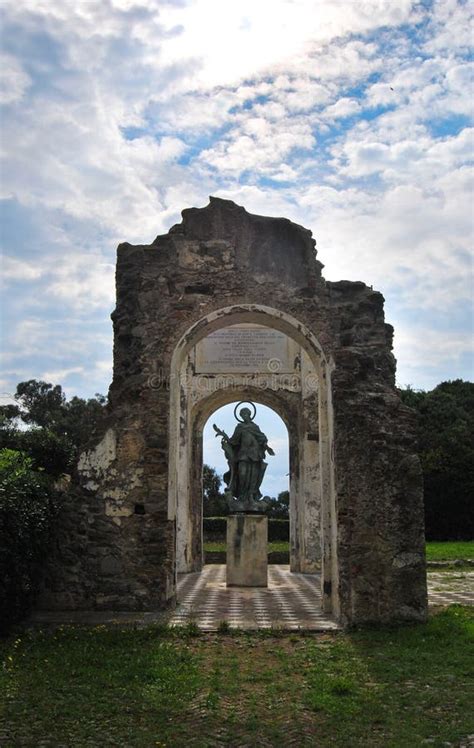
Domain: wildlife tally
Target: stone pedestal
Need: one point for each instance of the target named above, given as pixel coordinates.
(247, 555)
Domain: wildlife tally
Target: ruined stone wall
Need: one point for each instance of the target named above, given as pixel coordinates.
(379, 482)
(217, 257)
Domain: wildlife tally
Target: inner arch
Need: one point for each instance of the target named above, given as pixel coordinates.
(276, 477)
(308, 417)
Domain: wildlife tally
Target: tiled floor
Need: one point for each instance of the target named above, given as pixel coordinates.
(290, 602)
(448, 587)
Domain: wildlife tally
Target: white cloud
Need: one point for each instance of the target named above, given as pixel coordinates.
(299, 93)
(411, 240)
(14, 81)
(135, 110)
(80, 281)
(236, 41)
(59, 375)
(344, 107)
(13, 269)
(451, 27)
(84, 282)
(57, 339)
(418, 160)
(6, 399)
(421, 346)
(460, 78)
(258, 145)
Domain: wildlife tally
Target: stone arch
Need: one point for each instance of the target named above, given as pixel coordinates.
(184, 453)
(287, 411)
(289, 414)
(222, 265)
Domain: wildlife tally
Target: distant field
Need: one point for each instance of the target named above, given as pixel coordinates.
(450, 551)
(439, 551)
(220, 546)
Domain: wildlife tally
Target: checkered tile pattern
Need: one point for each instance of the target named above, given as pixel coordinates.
(290, 602)
(447, 588)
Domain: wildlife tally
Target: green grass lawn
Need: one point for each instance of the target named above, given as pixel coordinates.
(446, 551)
(220, 546)
(395, 687)
(450, 551)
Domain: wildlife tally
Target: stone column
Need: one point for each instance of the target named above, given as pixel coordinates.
(247, 556)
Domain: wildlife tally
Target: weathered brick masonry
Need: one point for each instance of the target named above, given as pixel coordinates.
(116, 546)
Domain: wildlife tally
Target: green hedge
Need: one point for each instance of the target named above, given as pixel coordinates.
(27, 508)
(278, 529)
(215, 528)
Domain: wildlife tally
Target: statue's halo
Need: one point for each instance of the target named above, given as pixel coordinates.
(245, 402)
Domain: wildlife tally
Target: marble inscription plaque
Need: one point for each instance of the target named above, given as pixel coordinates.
(245, 349)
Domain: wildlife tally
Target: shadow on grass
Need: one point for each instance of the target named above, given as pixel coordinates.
(398, 686)
(171, 687)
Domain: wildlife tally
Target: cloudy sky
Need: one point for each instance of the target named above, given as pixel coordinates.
(350, 117)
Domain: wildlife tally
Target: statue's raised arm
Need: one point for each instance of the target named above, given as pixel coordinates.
(219, 432)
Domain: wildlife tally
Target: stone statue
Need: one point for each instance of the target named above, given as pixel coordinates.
(245, 452)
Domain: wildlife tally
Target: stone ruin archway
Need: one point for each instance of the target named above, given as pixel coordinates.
(305, 409)
(116, 545)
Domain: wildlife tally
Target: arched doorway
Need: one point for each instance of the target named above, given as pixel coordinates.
(354, 439)
(276, 480)
(277, 475)
(300, 395)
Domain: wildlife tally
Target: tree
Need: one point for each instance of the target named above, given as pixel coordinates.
(41, 403)
(57, 429)
(279, 507)
(446, 448)
(215, 504)
(9, 414)
(30, 459)
(28, 504)
(45, 405)
(82, 417)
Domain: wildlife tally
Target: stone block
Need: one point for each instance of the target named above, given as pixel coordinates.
(111, 566)
(247, 559)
